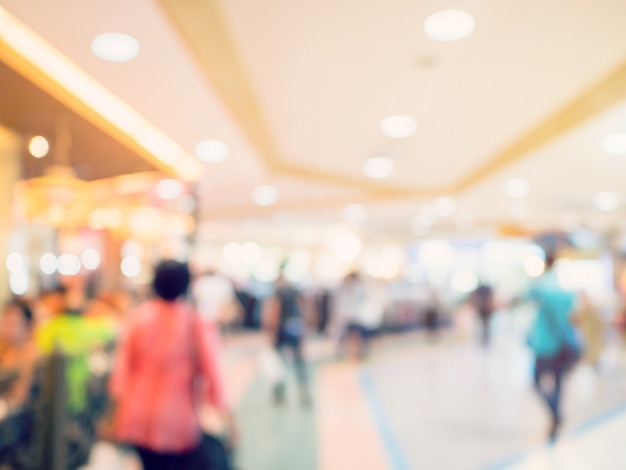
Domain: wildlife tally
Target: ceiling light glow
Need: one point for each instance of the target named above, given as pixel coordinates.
(534, 266)
(445, 206)
(398, 127)
(378, 167)
(91, 259)
(348, 247)
(48, 264)
(517, 188)
(169, 189)
(607, 201)
(355, 213)
(69, 264)
(212, 151)
(115, 47)
(130, 266)
(449, 25)
(615, 144)
(265, 195)
(38, 146)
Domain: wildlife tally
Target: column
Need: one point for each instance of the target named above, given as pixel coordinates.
(9, 174)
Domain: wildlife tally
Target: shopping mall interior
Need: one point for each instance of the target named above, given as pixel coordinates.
(399, 219)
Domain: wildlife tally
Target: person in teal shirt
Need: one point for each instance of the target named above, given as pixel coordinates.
(551, 332)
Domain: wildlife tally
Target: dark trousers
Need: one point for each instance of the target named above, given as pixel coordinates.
(550, 367)
(293, 344)
(151, 460)
(485, 317)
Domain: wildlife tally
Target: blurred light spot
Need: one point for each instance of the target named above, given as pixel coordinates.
(607, 201)
(231, 251)
(298, 265)
(449, 25)
(398, 127)
(115, 47)
(435, 254)
(378, 167)
(347, 247)
(517, 188)
(69, 264)
(48, 263)
(445, 206)
(19, 283)
(266, 271)
(212, 151)
(170, 189)
(130, 266)
(91, 259)
(250, 253)
(38, 146)
(534, 266)
(265, 195)
(464, 281)
(615, 144)
(56, 214)
(17, 262)
(355, 213)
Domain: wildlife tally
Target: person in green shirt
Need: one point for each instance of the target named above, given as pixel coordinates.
(76, 337)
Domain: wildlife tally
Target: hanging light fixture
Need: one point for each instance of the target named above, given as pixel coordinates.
(59, 197)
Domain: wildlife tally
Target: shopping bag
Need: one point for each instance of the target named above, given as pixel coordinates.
(271, 364)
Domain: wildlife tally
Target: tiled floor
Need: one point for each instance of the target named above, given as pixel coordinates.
(421, 405)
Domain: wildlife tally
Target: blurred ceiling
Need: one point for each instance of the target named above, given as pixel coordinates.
(31, 111)
(298, 90)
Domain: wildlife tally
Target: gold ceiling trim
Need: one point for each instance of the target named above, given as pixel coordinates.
(31, 73)
(31, 56)
(201, 24)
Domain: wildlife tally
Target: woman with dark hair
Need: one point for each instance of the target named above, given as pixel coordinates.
(163, 352)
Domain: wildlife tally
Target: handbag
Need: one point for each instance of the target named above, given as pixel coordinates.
(211, 452)
(571, 350)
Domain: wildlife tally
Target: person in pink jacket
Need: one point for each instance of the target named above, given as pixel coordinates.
(166, 361)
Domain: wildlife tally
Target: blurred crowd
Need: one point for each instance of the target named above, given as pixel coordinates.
(137, 371)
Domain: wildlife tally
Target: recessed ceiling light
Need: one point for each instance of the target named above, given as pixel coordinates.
(398, 127)
(378, 167)
(445, 206)
(449, 25)
(355, 213)
(517, 188)
(615, 144)
(115, 47)
(607, 201)
(265, 195)
(38, 146)
(212, 151)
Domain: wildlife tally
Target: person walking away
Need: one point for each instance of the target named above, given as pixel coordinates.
(552, 338)
(154, 384)
(369, 317)
(483, 302)
(18, 362)
(283, 319)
